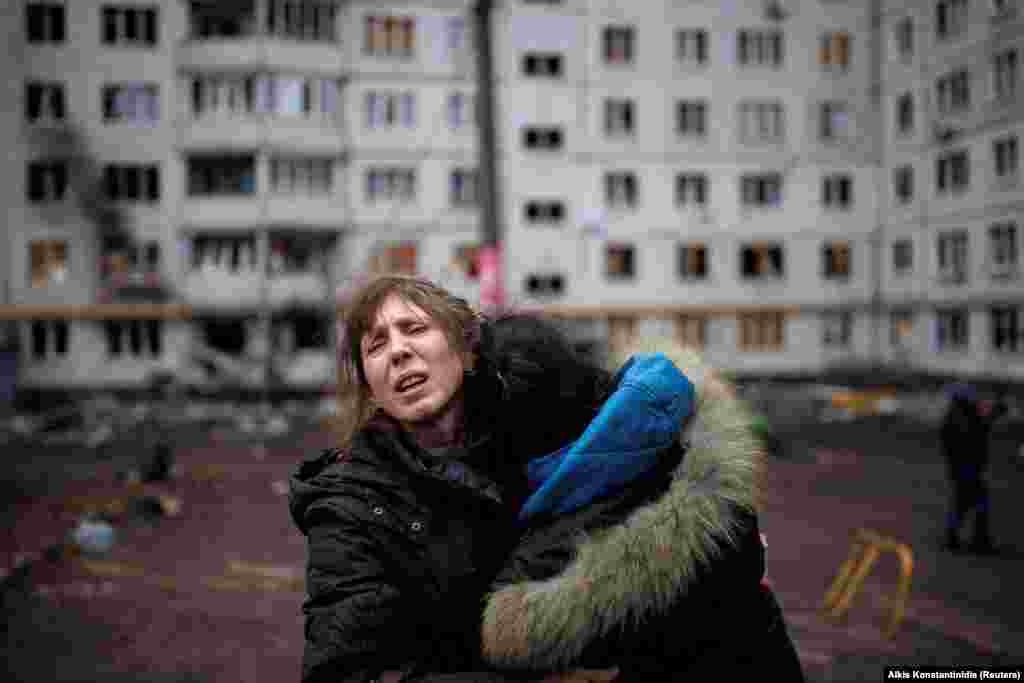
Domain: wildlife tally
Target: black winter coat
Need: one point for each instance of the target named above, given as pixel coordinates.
(662, 580)
(399, 557)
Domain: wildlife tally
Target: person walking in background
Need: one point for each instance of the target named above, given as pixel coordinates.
(965, 435)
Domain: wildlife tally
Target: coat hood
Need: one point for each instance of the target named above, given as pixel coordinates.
(650, 399)
(547, 624)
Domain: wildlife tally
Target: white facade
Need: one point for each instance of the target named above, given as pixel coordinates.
(666, 167)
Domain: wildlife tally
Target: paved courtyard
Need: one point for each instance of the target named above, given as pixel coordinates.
(207, 588)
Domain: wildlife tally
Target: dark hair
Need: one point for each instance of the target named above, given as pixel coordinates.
(549, 391)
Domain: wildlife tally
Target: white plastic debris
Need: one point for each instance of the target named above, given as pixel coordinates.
(99, 436)
(277, 425)
(93, 536)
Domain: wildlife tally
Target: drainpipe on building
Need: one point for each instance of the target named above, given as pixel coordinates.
(876, 239)
(492, 293)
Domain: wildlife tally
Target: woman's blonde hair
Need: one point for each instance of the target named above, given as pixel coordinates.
(461, 325)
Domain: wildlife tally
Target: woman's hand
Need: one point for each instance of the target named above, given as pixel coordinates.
(582, 676)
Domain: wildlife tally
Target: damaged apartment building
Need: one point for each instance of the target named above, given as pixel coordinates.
(187, 196)
(790, 185)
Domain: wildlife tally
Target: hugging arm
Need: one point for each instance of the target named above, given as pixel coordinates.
(355, 619)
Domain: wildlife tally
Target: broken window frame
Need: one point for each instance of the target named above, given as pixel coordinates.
(692, 261)
(952, 257)
(953, 92)
(837, 329)
(902, 257)
(45, 102)
(905, 113)
(389, 36)
(126, 182)
(466, 259)
(221, 175)
(543, 138)
(302, 20)
(543, 65)
(41, 332)
(691, 189)
(49, 262)
(128, 25)
(1004, 247)
(952, 172)
(306, 176)
(1006, 329)
(903, 184)
(1006, 158)
(903, 37)
(691, 47)
(951, 19)
(544, 212)
(760, 48)
(619, 117)
(762, 261)
(391, 184)
(761, 190)
(952, 329)
(234, 254)
(1006, 75)
(618, 44)
(762, 121)
(692, 118)
(691, 330)
(834, 121)
(389, 109)
(47, 180)
(464, 188)
(834, 50)
(460, 110)
(901, 329)
(45, 22)
(131, 103)
(836, 261)
(144, 338)
(762, 331)
(621, 190)
(544, 285)
(394, 257)
(837, 191)
(620, 262)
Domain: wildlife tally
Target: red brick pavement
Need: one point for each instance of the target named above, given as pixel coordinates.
(167, 619)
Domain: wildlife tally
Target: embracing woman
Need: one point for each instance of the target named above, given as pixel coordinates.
(499, 509)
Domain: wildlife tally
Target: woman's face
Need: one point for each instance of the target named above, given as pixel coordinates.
(412, 371)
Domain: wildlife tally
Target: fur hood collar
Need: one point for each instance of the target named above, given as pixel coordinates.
(547, 624)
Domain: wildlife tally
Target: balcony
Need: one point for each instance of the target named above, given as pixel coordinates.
(222, 190)
(224, 271)
(221, 288)
(256, 110)
(265, 32)
(297, 274)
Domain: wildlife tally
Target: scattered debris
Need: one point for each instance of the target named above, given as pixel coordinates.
(111, 568)
(836, 456)
(93, 536)
(207, 471)
(267, 576)
(100, 435)
(158, 468)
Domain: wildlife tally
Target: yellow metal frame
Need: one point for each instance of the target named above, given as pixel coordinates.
(865, 549)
